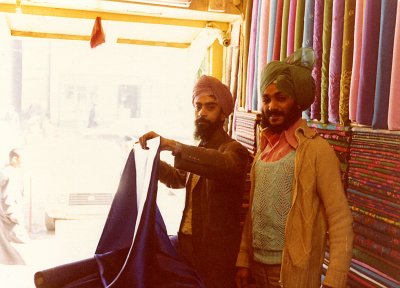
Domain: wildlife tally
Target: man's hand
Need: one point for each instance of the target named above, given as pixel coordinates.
(242, 277)
(165, 144)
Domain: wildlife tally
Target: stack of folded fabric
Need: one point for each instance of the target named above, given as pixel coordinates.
(374, 198)
(245, 129)
(338, 136)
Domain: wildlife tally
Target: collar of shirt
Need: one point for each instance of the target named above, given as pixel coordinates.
(276, 146)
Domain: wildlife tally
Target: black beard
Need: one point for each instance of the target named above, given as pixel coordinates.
(291, 117)
(205, 128)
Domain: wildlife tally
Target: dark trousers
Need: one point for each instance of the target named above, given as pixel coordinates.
(213, 274)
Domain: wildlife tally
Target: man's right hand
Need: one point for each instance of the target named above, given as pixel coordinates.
(242, 277)
(165, 144)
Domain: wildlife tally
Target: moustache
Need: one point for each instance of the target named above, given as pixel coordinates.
(274, 113)
(202, 121)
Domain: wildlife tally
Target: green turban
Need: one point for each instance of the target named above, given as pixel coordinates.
(292, 77)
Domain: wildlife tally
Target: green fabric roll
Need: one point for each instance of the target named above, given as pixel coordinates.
(285, 22)
(326, 49)
(347, 60)
(298, 32)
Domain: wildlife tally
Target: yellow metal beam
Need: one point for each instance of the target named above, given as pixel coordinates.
(44, 35)
(33, 9)
(152, 43)
(18, 33)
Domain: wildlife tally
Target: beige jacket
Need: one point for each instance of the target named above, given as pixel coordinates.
(319, 212)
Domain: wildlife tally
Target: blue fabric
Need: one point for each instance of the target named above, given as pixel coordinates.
(152, 262)
(384, 70)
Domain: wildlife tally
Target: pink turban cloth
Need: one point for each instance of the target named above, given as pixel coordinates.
(208, 85)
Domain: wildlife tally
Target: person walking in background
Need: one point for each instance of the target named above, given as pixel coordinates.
(297, 200)
(12, 194)
(214, 175)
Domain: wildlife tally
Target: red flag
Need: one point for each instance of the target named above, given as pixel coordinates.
(98, 36)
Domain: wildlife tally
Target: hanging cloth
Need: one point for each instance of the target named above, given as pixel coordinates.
(394, 99)
(134, 249)
(308, 24)
(291, 27)
(263, 45)
(271, 30)
(299, 25)
(335, 61)
(369, 61)
(284, 35)
(251, 57)
(355, 74)
(278, 30)
(384, 70)
(347, 60)
(326, 49)
(317, 47)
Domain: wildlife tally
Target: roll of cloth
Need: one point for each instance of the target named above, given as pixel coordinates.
(291, 27)
(326, 48)
(299, 25)
(315, 110)
(369, 60)
(355, 74)
(347, 61)
(394, 99)
(335, 60)
(278, 30)
(285, 27)
(384, 69)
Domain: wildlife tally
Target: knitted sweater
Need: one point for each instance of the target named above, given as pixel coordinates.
(319, 211)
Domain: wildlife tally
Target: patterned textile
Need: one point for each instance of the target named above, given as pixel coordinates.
(374, 198)
(347, 59)
(335, 61)
(317, 47)
(246, 129)
(326, 50)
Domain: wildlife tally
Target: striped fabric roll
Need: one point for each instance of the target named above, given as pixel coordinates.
(355, 75)
(317, 46)
(299, 27)
(291, 27)
(369, 60)
(245, 49)
(251, 61)
(347, 59)
(285, 23)
(308, 23)
(335, 61)
(255, 78)
(278, 29)
(263, 43)
(384, 70)
(394, 100)
(326, 47)
(271, 29)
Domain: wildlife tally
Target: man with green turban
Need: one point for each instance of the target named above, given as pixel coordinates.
(297, 200)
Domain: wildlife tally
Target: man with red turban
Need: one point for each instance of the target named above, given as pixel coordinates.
(214, 174)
